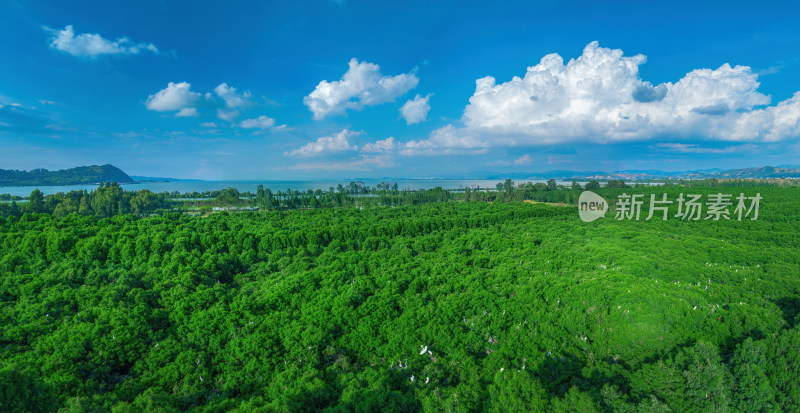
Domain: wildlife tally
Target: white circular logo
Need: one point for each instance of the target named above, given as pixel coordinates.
(591, 206)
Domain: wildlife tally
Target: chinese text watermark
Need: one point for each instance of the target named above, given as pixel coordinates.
(690, 207)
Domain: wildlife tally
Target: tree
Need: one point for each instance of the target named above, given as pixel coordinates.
(107, 200)
(14, 211)
(142, 202)
(60, 210)
(783, 366)
(229, 196)
(514, 391)
(508, 186)
(84, 208)
(575, 401)
(592, 185)
(576, 186)
(616, 184)
(551, 185)
(707, 378)
(753, 391)
(264, 198)
(36, 203)
(22, 392)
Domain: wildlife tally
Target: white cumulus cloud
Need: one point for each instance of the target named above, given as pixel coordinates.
(416, 110)
(175, 97)
(187, 112)
(232, 99)
(261, 122)
(227, 114)
(93, 45)
(326, 144)
(523, 160)
(384, 145)
(600, 97)
(362, 85)
(446, 141)
(180, 98)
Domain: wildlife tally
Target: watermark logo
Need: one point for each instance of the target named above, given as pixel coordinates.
(591, 206)
(690, 207)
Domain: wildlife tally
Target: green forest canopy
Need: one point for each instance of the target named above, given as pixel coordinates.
(459, 306)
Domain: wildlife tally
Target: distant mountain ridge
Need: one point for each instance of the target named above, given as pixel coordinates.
(638, 175)
(764, 172)
(92, 174)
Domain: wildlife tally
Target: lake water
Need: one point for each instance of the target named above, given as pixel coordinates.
(250, 186)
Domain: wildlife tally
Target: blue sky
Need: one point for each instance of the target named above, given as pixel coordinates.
(323, 89)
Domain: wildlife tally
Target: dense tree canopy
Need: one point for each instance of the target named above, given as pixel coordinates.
(437, 305)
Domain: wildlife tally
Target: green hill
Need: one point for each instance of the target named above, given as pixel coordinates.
(74, 176)
(763, 172)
